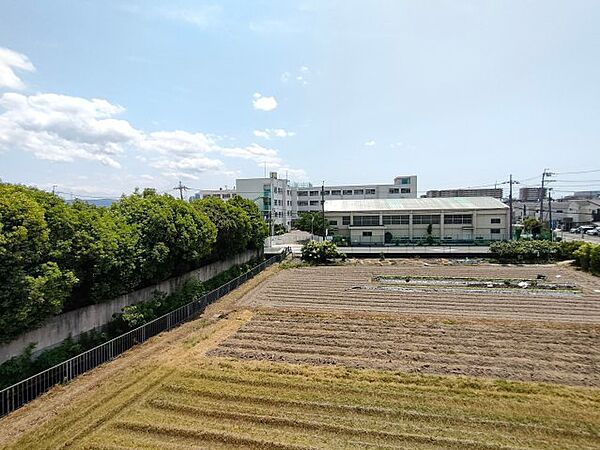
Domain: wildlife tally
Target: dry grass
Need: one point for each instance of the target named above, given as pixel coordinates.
(169, 393)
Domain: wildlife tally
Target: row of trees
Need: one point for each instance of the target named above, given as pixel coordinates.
(56, 256)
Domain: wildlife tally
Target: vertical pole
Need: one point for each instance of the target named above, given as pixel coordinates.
(542, 197)
(323, 207)
(510, 204)
(550, 214)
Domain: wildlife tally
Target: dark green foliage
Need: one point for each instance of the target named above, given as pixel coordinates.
(586, 256)
(312, 222)
(320, 252)
(526, 251)
(25, 365)
(56, 257)
(234, 230)
(258, 226)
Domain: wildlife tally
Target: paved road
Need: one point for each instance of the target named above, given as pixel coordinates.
(578, 237)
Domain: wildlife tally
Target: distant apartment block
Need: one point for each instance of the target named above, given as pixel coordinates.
(532, 194)
(309, 197)
(447, 193)
(275, 197)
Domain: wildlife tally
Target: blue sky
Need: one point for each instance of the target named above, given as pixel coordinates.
(99, 97)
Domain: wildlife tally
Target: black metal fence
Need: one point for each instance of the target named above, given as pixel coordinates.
(17, 395)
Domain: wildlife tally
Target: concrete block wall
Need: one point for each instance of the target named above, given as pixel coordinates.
(74, 323)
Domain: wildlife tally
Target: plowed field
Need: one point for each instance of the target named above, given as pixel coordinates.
(354, 357)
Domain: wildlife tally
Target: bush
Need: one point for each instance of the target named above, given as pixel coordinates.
(320, 252)
(582, 256)
(526, 251)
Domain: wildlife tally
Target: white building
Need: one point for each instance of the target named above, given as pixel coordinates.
(274, 197)
(309, 198)
(566, 213)
(458, 219)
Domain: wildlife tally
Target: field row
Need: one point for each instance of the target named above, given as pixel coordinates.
(235, 405)
(507, 350)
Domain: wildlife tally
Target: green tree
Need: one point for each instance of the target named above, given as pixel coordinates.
(533, 226)
(312, 221)
(32, 287)
(234, 230)
(173, 236)
(259, 227)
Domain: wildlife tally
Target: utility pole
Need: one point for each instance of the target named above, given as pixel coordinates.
(510, 204)
(545, 174)
(550, 214)
(54, 186)
(180, 188)
(323, 208)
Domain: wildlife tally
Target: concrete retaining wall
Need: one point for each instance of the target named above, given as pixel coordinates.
(74, 323)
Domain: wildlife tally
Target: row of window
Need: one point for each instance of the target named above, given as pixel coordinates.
(369, 191)
(306, 203)
(418, 219)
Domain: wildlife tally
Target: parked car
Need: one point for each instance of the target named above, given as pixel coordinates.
(593, 232)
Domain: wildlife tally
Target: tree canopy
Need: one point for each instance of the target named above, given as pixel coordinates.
(56, 256)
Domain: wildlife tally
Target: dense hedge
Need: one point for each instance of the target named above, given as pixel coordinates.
(586, 255)
(25, 365)
(320, 252)
(56, 257)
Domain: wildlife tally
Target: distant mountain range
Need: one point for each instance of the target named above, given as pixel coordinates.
(98, 202)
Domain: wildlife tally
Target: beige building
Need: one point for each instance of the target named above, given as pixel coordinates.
(395, 221)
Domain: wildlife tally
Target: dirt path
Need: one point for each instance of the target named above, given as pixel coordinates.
(111, 384)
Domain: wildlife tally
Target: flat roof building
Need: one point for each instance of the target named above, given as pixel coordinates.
(445, 193)
(309, 198)
(532, 194)
(395, 221)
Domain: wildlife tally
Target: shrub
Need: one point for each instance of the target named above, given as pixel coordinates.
(320, 252)
(526, 251)
(595, 259)
(582, 256)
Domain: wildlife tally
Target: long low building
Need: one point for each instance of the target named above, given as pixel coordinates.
(394, 221)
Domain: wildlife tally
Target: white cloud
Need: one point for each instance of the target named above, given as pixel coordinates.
(370, 143)
(62, 128)
(66, 129)
(263, 103)
(268, 133)
(9, 61)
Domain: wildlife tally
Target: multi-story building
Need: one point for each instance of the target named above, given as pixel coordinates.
(583, 195)
(275, 197)
(447, 193)
(565, 213)
(309, 198)
(459, 219)
(528, 194)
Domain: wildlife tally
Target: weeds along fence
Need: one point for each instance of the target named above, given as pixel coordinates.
(21, 393)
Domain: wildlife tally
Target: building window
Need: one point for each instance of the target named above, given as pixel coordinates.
(394, 190)
(303, 203)
(405, 191)
(333, 222)
(336, 192)
(302, 193)
(359, 191)
(370, 191)
(495, 220)
(362, 221)
(458, 219)
(405, 181)
(346, 220)
(367, 233)
(325, 192)
(426, 219)
(314, 202)
(347, 191)
(396, 220)
(314, 193)
(495, 231)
